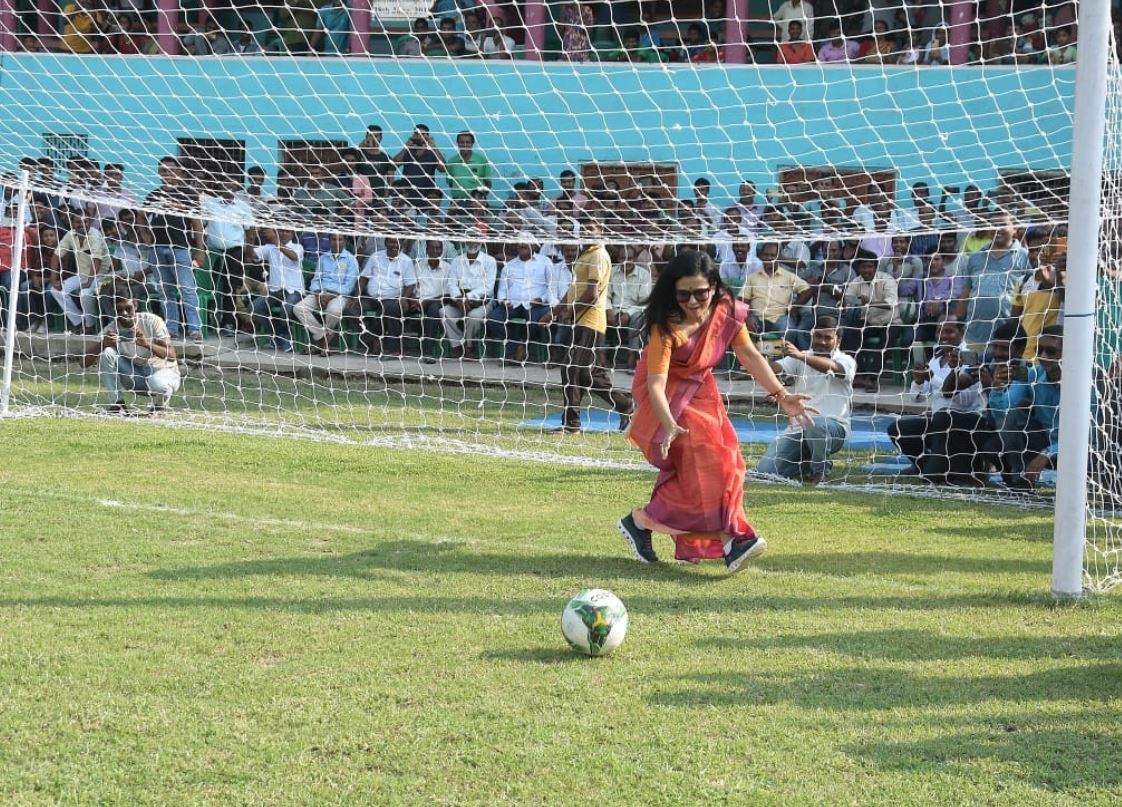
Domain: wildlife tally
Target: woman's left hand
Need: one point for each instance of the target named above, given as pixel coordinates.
(795, 408)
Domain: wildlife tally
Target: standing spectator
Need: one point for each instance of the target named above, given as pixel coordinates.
(85, 250)
(333, 29)
(1039, 297)
(431, 293)
(937, 51)
(990, 282)
(284, 256)
(790, 11)
(525, 293)
(576, 19)
(751, 211)
(172, 229)
(375, 164)
(585, 306)
(135, 353)
(776, 297)
(84, 28)
(794, 48)
(333, 284)
(42, 243)
(358, 192)
(113, 196)
(942, 441)
(825, 374)
(468, 170)
(871, 316)
(471, 283)
(494, 43)
(837, 48)
(419, 160)
(391, 279)
(703, 207)
(255, 194)
(413, 44)
(226, 221)
(628, 293)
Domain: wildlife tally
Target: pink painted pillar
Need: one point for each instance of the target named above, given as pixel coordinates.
(167, 18)
(8, 37)
(736, 47)
(534, 13)
(360, 27)
(48, 18)
(962, 19)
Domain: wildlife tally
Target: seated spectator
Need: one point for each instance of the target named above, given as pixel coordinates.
(134, 353)
(837, 48)
(630, 50)
(206, 40)
(776, 298)
(431, 295)
(447, 43)
(912, 51)
(1063, 50)
(1030, 46)
(413, 44)
(936, 294)
(1033, 448)
(494, 43)
(826, 375)
(827, 279)
(795, 50)
(471, 284)
(695, 42)
(1038, 300)
(332, 36)
(333, 285)
(989, 283)
(284, 256)
(736, 268)
(628, 291)
(241, 41)
(390, 279)
(132, 36)
(710, 54)
(936, 51)
(869, 310)
(882, 47)
(85, 27)
(941, 443)
(525, 293)
(81, 262)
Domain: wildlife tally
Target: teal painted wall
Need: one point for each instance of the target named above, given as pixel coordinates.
(941, 125)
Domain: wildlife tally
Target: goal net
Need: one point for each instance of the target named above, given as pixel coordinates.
(351, 222)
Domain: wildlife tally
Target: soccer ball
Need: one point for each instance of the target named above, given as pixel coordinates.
(594, 622)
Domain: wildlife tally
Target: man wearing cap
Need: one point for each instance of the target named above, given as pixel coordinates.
(585, 305)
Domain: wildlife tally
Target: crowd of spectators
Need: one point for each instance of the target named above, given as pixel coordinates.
(946, 290)
(856, 31)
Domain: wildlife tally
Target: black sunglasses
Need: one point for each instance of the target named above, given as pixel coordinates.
(701, 295)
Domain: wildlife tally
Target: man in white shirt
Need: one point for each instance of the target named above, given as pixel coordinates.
(826, 375)
(525, 293)
(433, 274)
(739, 266)
(471, 284)
(940, 444)
(387, 280)
(134, 353)
(227, 219)
(872, 319)
(284, 257)
(793, 10)
(628, 292)
(704, 208)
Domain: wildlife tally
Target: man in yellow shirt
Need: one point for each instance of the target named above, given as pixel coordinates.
(84, 28)
(777, 298)
(585, 304)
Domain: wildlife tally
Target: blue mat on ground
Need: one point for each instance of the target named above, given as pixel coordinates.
(894, 466)
(867, 432)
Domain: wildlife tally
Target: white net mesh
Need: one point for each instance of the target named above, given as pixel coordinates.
(456, 160)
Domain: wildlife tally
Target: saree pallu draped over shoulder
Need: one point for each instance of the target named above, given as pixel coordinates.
(699, 492)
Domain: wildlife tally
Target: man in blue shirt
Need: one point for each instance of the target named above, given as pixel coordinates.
(333, 29)
(332, 287)
(989, 282)
(1032, 447)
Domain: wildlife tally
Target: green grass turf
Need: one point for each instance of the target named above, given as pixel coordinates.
(197, 618)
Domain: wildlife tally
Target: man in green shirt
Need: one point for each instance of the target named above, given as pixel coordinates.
(468, 170)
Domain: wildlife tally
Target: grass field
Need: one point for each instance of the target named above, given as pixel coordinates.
(194, 618)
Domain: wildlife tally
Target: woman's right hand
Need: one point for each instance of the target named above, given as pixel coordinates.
(672, 434)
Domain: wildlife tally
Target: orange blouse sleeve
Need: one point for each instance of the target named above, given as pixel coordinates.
(741, 339)
(658, 352)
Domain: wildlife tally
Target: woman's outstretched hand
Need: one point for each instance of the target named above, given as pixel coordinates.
(795, 408)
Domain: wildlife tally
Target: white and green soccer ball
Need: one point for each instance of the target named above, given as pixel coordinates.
(594, 622)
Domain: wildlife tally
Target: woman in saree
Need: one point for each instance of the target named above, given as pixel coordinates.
(680, 423)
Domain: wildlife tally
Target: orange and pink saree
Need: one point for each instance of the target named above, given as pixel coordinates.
(699, 493)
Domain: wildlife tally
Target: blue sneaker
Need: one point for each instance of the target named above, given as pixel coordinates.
(638, 539)
(737, 552)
